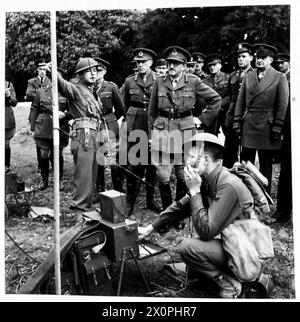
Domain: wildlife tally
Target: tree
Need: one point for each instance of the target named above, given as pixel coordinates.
(105, 32)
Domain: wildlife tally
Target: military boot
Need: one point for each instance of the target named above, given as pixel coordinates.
(230, 287)
(165, 194)
(150, 189)
(44, 166)
(117, 178)
(181, 189)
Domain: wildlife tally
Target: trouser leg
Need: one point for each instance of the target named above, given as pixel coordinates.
(132, 182)
(284, 194)
(85, 172)
(38, 155)
(150, 179)
(248, 154)
(7, 157)
(231, 149)
(266, 165)
(44, 167)
(100, 182)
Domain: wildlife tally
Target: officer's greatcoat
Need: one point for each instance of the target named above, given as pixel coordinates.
(261, 108)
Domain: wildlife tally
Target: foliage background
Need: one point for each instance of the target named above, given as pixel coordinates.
(112, 34)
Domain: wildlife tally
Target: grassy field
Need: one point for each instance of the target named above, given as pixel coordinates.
(36, 237)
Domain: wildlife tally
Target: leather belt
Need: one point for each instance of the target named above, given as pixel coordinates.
(139, 104)
(174, 115)
(86, 122)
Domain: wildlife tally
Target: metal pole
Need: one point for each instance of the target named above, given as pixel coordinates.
(56, 151)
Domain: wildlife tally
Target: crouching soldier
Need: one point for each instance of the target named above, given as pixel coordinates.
(216, 198)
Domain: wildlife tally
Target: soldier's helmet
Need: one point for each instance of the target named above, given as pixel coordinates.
(85, 63)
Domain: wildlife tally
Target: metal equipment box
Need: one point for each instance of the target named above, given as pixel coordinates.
(120, 236)
(113, 206)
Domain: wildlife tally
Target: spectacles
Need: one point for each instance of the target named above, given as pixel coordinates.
(210, 65)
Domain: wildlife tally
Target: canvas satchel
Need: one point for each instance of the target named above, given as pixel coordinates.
(247, 243)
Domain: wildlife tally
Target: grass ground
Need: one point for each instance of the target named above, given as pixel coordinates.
(37, 237)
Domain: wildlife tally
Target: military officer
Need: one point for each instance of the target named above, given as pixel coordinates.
(113, 109)
(284, 192)
(41, 80)
(33, 85)
(86, 112)
(171, 119)
(244, 59)
(283, 64)
(10, 122)
(42, 125)
(190, 66)
(199, 59)
(161, 67)
(137, 91)
(218, 81)
(260, 110)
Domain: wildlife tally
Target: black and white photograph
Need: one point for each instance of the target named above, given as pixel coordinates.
(150, 152)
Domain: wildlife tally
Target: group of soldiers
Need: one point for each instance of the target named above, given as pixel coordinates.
(163, 110)
(249, 106)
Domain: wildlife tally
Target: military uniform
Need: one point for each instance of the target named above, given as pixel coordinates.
(10, 122)
(171, 121)
(199, 58)
(42, 124)
(137, 92)
(234, 84)
(113, 108)
(86, 112)
(224, 199)
(259, 114)
(231, 141)
(219, 82)
(33, 85)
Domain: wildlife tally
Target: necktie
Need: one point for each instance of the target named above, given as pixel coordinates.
(145, 79)
(174, 82)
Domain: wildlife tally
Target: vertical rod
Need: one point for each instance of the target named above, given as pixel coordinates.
(56, 151)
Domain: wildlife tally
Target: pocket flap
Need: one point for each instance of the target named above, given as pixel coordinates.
(110, 117)
(158, 124)
(106, 94)
(134, 91)
(186, 94)
(162, 94)
(186, 123)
